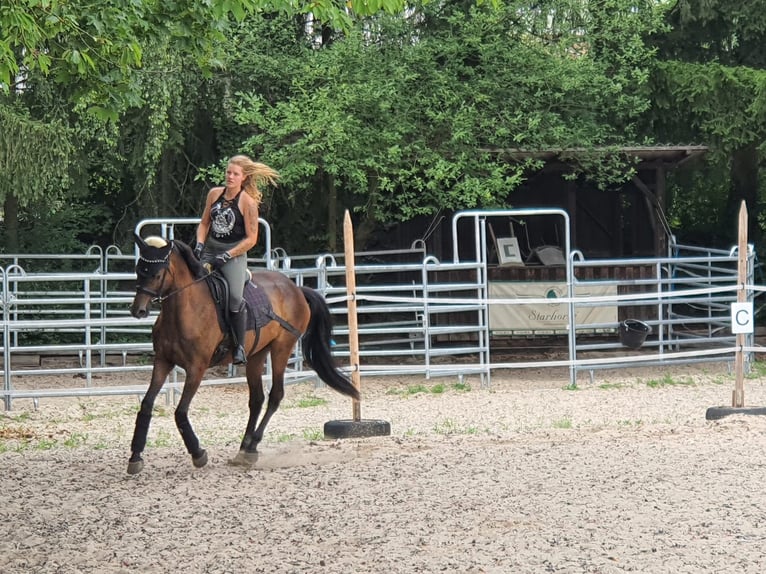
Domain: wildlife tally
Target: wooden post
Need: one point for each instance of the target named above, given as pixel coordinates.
(738, 396)
(353, 332)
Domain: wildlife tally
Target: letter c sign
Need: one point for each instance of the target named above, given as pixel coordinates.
(741, 318)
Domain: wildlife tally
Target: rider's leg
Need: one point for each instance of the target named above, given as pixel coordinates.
(235, 272)
(239, 330)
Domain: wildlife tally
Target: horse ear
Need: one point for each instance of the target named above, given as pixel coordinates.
(140, 242)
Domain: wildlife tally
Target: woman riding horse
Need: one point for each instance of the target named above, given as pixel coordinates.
(188, 334)
(229, 229)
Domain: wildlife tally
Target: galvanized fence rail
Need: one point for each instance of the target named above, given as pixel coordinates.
(417, 315)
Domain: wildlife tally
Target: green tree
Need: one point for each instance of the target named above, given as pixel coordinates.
(403, 117)
(95, 57)
(708, 88)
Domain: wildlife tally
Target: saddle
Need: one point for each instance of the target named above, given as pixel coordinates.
(259, 310)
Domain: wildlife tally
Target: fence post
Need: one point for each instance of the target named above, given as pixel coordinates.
(6, 340)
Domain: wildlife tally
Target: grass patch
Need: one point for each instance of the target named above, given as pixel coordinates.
(669, 381)
(437, 389)
(450, 427)
(408, 390)
(629, 423)
(46, 444)
(75, 439)
(611, 386)
(19, 418)
(284, 437)
(310, 401)
(565, 423)
(757, 370)
(313, 434)
(162, 440)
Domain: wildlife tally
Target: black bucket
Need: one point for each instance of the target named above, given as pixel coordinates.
(633, 333)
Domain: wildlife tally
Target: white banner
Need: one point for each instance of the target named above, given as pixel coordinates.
(545, 319)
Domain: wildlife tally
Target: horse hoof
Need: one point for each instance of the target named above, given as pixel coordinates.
(201, 460)
(136, 466)
(244, 458)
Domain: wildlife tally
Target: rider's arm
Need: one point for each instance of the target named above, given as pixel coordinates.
(204, 225)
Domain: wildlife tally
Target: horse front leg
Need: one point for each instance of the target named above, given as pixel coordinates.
(191, 385)
(144, 417)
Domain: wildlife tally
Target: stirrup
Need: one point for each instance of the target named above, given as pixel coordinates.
(239, 357)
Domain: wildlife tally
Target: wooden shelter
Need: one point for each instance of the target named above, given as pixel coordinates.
(624, 221)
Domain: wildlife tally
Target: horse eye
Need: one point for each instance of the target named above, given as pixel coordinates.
(145, 273)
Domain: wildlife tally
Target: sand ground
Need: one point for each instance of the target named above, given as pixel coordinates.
(624, 474)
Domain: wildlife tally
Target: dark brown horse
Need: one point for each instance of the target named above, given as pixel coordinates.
(187, 334)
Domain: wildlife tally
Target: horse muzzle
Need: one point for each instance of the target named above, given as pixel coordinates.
(139, 311)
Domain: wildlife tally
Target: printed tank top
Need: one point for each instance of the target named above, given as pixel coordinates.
(227, 223)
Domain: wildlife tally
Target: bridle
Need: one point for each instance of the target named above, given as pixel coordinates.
(157, 296)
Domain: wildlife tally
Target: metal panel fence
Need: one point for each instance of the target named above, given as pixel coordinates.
(85, 315)
(417, 315)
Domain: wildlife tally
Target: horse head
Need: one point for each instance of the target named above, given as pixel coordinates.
(151, 270)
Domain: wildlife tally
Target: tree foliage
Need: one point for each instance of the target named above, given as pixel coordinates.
(708, 86)
(404, 117)
(395, 116)
(118, 62)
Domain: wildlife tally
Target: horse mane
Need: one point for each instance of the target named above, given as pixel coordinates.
(194, 264)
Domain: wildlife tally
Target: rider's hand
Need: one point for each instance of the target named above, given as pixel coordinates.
(198, 249)
(221, 260)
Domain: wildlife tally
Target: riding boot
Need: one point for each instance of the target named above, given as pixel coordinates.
(239, 330)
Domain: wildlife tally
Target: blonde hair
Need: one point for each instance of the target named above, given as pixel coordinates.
(255, 173)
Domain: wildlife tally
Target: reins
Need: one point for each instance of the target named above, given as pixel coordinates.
(158, 297)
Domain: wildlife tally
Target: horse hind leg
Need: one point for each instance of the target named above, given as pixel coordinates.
(280, 355)
(248, 449)
(281, 351)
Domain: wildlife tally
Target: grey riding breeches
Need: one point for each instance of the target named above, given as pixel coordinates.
(235, 271)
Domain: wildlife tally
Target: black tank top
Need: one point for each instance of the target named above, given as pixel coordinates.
(227, 223)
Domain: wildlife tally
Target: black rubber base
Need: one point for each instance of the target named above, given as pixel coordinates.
(356, 429)
(715, 413)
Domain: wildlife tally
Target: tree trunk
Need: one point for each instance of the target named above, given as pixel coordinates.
(332, 212)
(168, 194)
(744, 185)
(11, 211)
(368, 225)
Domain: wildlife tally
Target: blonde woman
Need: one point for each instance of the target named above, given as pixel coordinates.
(229, 229)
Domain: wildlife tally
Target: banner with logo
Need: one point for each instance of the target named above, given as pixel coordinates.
(547, 318)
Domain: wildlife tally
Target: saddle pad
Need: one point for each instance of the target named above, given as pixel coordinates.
(259, 306)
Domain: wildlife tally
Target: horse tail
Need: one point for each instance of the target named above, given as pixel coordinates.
(316, 345)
